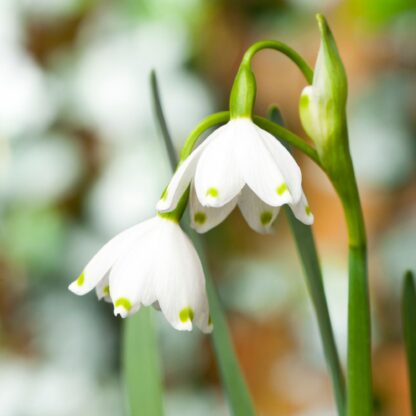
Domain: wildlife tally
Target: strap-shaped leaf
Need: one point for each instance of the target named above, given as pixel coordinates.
(141, 371)
(308, 253)
(409, 332)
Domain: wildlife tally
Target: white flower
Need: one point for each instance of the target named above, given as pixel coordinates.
(239, 163)
(152, 263)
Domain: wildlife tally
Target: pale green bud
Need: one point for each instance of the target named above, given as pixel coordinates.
(323, 104)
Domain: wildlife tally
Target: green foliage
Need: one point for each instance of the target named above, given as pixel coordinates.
(409, 332)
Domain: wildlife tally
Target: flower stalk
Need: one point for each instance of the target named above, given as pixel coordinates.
(243, 92)
(323, 115)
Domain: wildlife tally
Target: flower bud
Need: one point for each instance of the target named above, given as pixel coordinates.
(323, 104)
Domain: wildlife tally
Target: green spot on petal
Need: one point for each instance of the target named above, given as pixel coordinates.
(200, 217)
(186, 314)
(209, 320)
(81, 279)
(308, 210)
(212, 192)
(106, 291)
(281, 189)
(266, 217)
(124, 302)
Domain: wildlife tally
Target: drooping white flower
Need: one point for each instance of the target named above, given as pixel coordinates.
(152, 263)
(238, 164)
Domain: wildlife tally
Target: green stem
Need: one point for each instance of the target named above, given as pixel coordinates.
(359, 334)
(243, 91)
(409, 333)
(208, 122)
(359, 379)
(283, 48)
(140, 362)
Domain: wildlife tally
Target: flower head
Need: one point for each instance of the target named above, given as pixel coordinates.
(238, 164)
(152, 263)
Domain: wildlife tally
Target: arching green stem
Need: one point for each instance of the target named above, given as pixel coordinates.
(243, 92)
(208, 122)
(283, 48)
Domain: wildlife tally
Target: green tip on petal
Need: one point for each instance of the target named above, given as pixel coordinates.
(308, 210)
(123, 302)
(81, 279)
(186, 314)
(213, 192)
(164, 195)
(106, 291)
(200, 217)
(209, 320)
(266, 217)
(281, 189)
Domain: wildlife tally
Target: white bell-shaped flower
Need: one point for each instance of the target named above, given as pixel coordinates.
(238, 164)
(152, 263)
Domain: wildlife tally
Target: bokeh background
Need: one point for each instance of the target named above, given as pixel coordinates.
(81, 158)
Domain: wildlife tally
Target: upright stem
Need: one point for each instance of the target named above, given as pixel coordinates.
(359, 380)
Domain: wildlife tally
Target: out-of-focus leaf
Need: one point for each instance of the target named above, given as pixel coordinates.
(141, 369)
(409, 332)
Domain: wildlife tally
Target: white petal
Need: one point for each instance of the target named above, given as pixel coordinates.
(286, 163)
(259, 170)
(180, 282)
(131, 278)
(101, 263)
(183, 176)
(203, 218)
(103, 289)
(302, 211)
(218, 178)
(258, 215)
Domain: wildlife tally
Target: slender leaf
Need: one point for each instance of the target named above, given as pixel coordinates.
(161, 122)
(232, 378)
(141, 365)
(305, 244)
(409, 332)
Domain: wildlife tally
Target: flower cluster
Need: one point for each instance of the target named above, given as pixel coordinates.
(240, 164)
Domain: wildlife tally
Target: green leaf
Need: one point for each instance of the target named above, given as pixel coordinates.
(140, 362)
(308, 253)
(232, 378)
(409, 332)
(237, 393)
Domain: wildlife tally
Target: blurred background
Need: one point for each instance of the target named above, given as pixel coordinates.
(81, 159)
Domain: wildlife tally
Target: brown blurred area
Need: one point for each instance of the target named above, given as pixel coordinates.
(281, 366)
